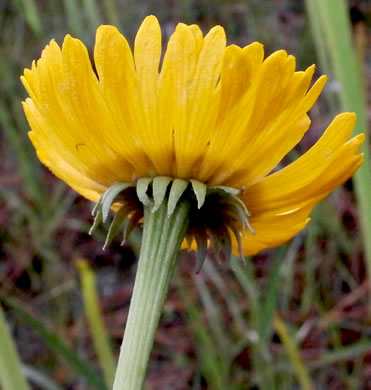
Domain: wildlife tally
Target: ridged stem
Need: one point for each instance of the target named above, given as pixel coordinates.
(162, 237)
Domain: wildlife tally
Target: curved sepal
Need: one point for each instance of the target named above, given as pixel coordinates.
(177, 189)
(142, 188)
(159, 188)
(200, 190)
(109, 196)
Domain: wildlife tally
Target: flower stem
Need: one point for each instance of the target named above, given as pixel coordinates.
(162, 237)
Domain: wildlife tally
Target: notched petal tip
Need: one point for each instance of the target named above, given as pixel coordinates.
(347, 119)
(51, 45)
(31, 135)
(291, 61)
(359, 139)
(24, 80)
(182, 27)
(311, 68)
(232, 50)
(149, 27)
(312, 95)
(71, 44)
(27, 72)
(216, 32)
(322, 80)
(28, 107)
(67, 39)
(277, 56)
(150, 23)
(147, 45)
(151, 19)
(354, 144)
(255, 45)
(196, 31)
(106, 29)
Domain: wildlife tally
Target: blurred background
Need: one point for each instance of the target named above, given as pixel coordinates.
(297, 317)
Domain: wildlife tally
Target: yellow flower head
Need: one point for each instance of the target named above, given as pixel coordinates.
(221, 115)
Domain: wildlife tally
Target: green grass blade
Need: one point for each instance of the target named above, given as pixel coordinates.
(212, 361)
(28, 167)
(74, 18)
(289, 344)
(112, 13)
(213, 314)
(329, 20)
(31, 14)
(39, 379)
(270, 298)
(244, 273)
(348, 352)
(62, 349)
(227, 293)
(93, 14)
(321, 51)
(11, 375)
(92, 310)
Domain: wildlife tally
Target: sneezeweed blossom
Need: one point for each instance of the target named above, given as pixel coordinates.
(205, 126)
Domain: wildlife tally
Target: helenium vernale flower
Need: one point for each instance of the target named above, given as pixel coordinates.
(221, 115)
(188, 146)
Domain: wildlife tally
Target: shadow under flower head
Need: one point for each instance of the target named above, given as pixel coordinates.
(223, 116)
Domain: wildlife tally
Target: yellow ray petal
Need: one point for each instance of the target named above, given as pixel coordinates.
(179, 64)
(299, 86)
(196, 73)
(271, 88)
(260, 150)
(87, 111)
(88, 193)
(198, 36)
(156, 136)
(116, 71)
(240, 66)
(62, 168)
(28, 81)
(67, 150)
(282, 134)
(203, 114)
(279, 138)
(273, 230)
(254, 109)
(147, 53)
(326, 165)
(69, 110)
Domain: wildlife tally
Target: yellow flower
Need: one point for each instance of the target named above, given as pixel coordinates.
(221, 115)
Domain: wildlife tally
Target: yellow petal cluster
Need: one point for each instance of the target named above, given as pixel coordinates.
(219, 114)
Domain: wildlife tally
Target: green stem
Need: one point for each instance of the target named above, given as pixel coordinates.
(162, 237)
